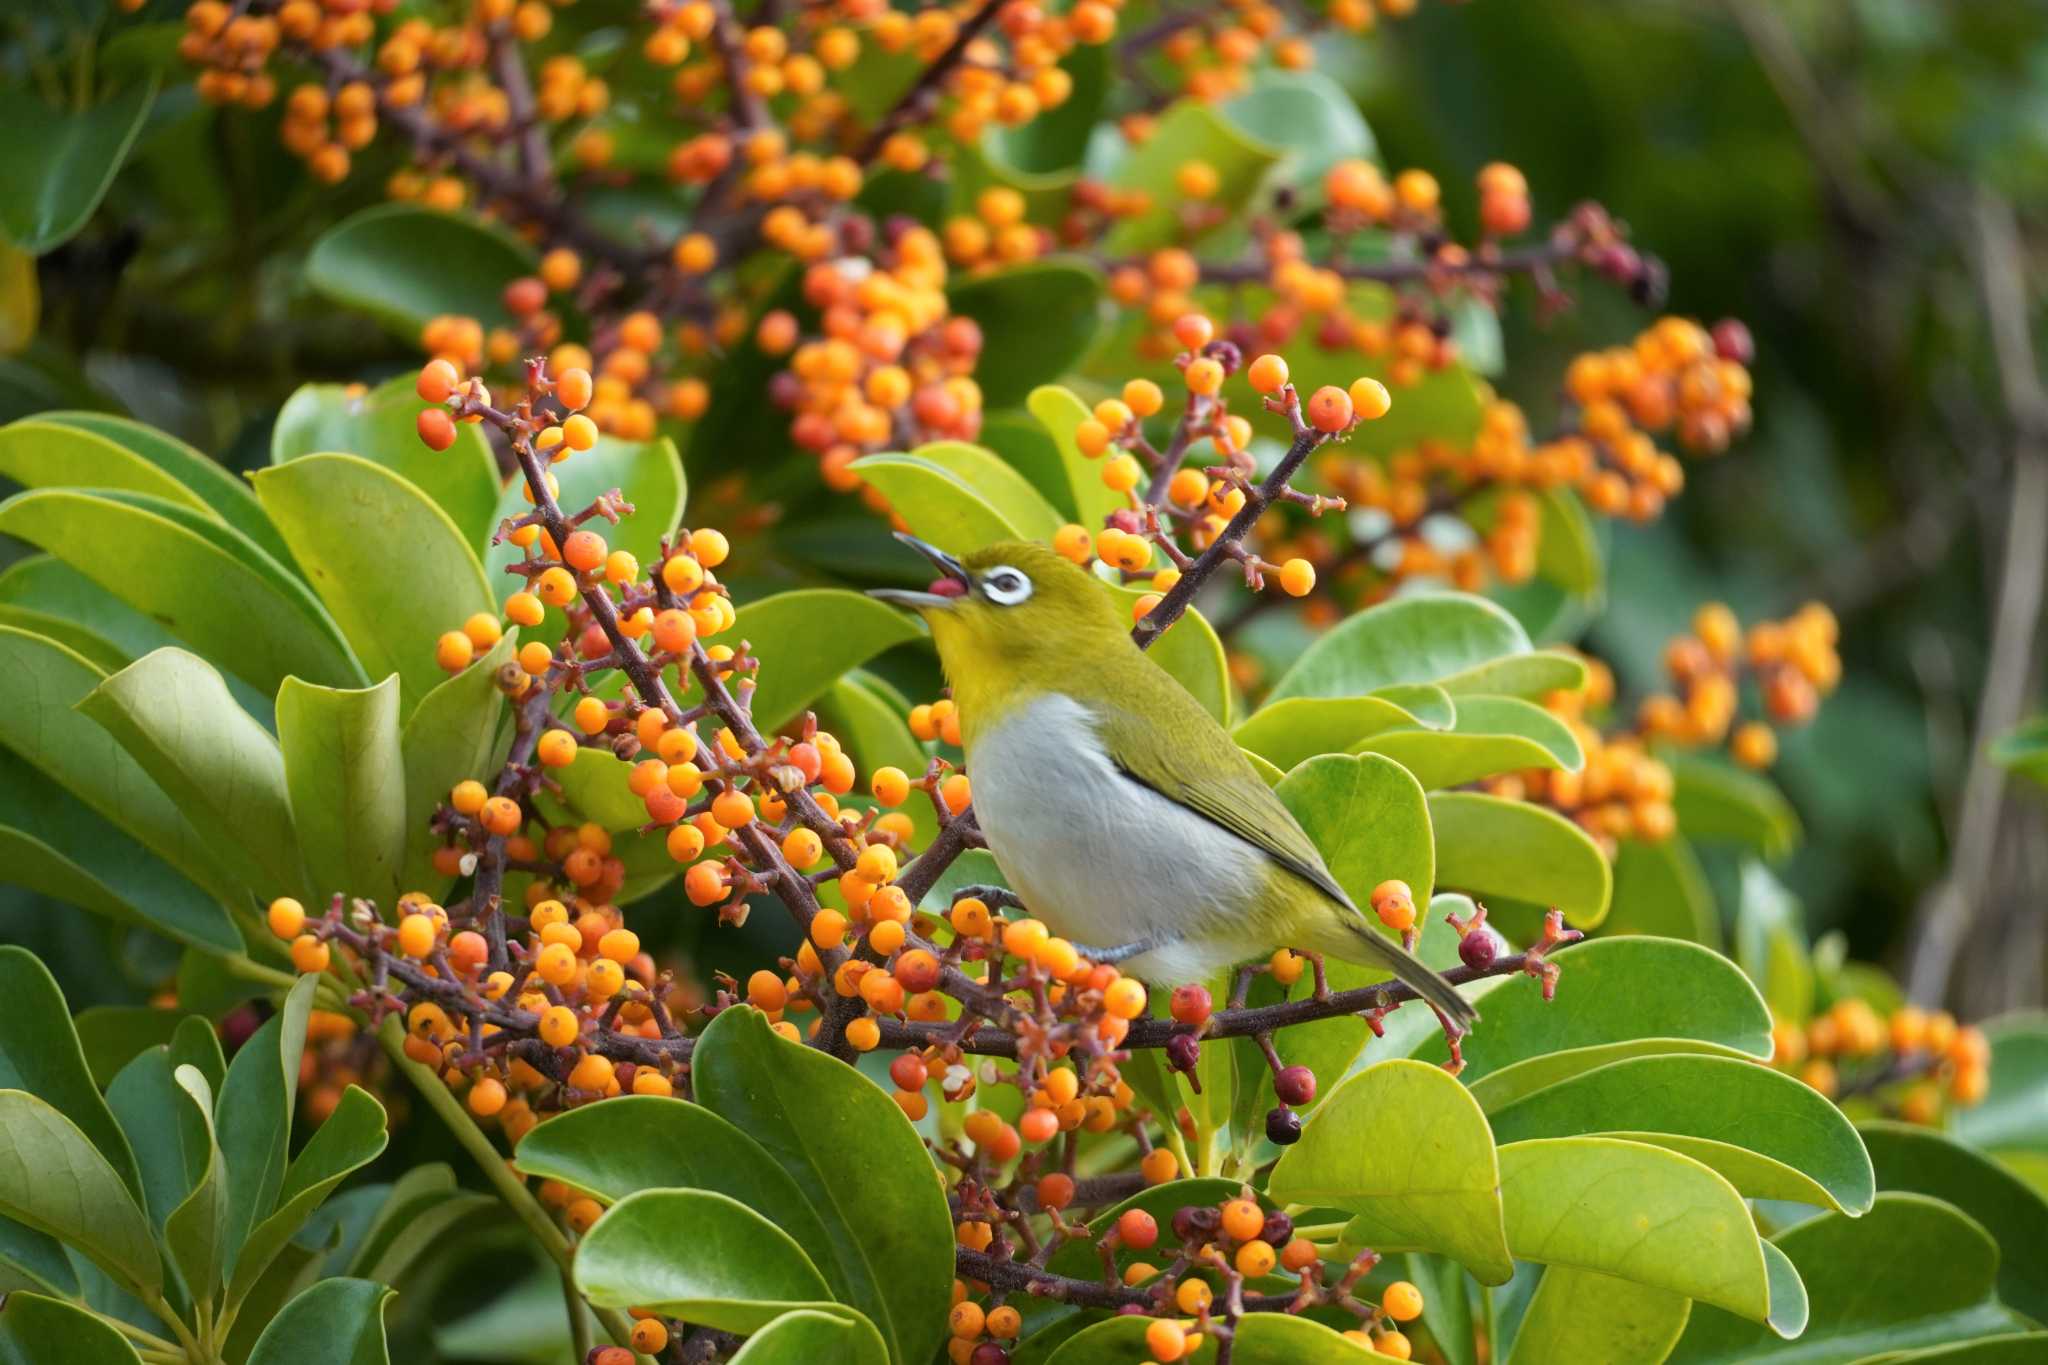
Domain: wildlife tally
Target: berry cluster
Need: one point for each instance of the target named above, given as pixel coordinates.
(1913, 1063)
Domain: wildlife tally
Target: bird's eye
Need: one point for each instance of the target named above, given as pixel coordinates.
(1004, 586)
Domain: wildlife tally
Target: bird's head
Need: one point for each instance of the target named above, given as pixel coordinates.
(1012, 616)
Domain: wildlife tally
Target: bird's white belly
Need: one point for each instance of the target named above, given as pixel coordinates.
(1103, 859)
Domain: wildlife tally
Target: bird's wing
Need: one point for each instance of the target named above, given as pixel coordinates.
(1194, 762)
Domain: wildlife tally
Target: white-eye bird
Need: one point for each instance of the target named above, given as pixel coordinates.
(1119, 811)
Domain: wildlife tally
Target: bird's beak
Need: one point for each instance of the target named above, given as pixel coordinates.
(951, 585)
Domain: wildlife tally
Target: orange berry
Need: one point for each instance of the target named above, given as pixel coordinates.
(556, 749)
(437, 380)
(309, 954)
(1243, 1219)
(1370, 400)
(287, 918)
(1268, 374)
(573, 388)
(1401, 1301)
(1394, 903)
(436, 428)
(1329, 409)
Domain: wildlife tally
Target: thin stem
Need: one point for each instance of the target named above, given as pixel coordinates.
(579, 1321)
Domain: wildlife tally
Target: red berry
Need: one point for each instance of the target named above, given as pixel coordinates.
(1295, 1085)
(1479, 948)
(436, 428)
(909, 1072)
(1191, 1004)
(1137, 1229)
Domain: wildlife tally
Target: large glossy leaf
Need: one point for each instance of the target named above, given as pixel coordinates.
(172, 1140)
(1313, 121)
(1660, 888)
(2014, 1112)
(1912, 1272)
(347, 1140)
(805, 1336)
(346, 776)
(814, 1115)
(113, 1035)
(1720, 804)
(1261, 1339)
(1716, 1098)
(1530, 676)
(45, 727)
(868, 716)
(1403, 1147)
(1288, 732)
(1491, 735)
(1036, 320)
(343, 517)
(380, 425)
(1921, 1161)
(37, 453)
(81, 640)
(226, 494)
(405, 265)
(54, 1180)
(1637, 1212)
(649, 1142)
(195, 1234)
(35, 1330)
(227, 606)
(1490, 847)
(1408, 640)
(2011, 1348)
(455, 732)
(807, 639)
(1189, 131)
(648, 473)
(1611, 991)
(989, 475)
(1580, 1315)
(1060, 411)
(698, 1255)
(172, 714)
(1370, 821)
(39, 1053)
(254, 1115)
(335, 1322)
(56, 164)
(1499, 1088)
(935, 503)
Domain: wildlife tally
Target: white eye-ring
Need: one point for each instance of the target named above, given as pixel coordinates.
(1004, 586)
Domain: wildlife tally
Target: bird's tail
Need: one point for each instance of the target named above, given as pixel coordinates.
(1366, 945)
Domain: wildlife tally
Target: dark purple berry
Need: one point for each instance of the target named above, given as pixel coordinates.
(988, 1353)
(1183, 1052)
(1279, 1229)
(1480, 947)
(1283, 1127)
(1196, 1222)
(1294, 1085)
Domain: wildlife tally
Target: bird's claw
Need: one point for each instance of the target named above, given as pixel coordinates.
(994, 897)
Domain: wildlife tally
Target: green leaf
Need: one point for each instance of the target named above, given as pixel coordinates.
(816, 1115)
(40, 1054)
(1036, 320)
(343, 517)
(804, 1336)
(172, 714)
(1491, 735)
(254, 1115)
(335, 1322)
(1261, 1339)
(381, 426)
(1660, 888)
(1059, 410)
(37, 453)
(45, 728)
(226, 605)
(698, 1255)
(196, 1230)
(1193, 653)
(1770, 943)
(21, 299)
(405, 265)
(112, 1035)
(869, 717)
(58, 163)
(1431, 706)
(1311, 119)
(34, 1260)
(1368, 818)
(647, 1142)
(2024, 749)
(350, 1138)
(1921, 1161)
(1408, 640)
(1403, 1147)
(1716, 1098)
(1580, 1315)
(81, 640)
(648, 473)
(1531, 676)
(54, 1179)
(1487, 846)
(1911, 1272)
(935, 503)
(1285, 733)
(40, 1331)
(1500, 1088)
(346, 776)
(172, 1142)
(1447, 1313)
(455, 732)
(226, 494)
(2017, 1348)
(808, 638)
(1636, 1212)
(1005, 489)
(1611, 991)
(594, 787)
(2014, 1112)
(1721, 804)
(1188, 131)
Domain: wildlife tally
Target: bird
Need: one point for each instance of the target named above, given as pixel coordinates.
(1120, 813)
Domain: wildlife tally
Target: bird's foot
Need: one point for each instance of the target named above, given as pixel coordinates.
(1121, 953)
(994, 897)
(1321, 975)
